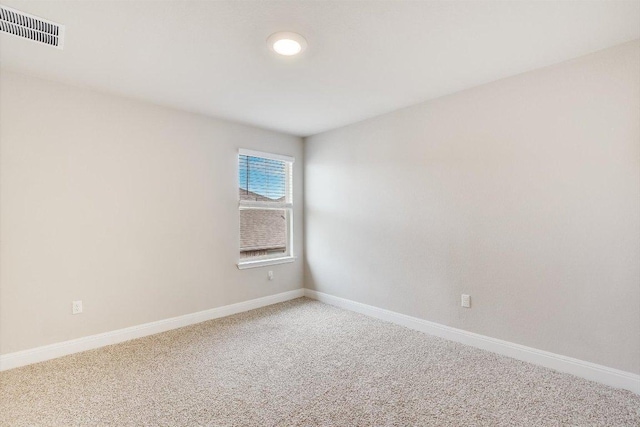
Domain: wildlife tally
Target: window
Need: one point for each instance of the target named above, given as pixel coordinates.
(265, 208)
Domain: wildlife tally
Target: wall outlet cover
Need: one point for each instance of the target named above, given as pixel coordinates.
(466, 301)
(76, 307)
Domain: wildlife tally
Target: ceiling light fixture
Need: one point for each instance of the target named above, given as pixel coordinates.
(287, 43)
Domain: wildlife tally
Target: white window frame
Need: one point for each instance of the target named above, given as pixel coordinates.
(287, 205)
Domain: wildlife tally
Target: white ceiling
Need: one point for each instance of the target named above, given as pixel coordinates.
(363, 59)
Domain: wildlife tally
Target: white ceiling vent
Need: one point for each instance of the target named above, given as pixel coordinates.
(30, 27)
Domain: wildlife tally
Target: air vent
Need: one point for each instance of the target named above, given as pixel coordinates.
(30, 27)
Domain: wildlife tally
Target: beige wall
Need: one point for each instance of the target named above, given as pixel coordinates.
(127, 206)
(524, 193)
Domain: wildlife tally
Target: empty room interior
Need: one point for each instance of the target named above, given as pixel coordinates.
(320, 213)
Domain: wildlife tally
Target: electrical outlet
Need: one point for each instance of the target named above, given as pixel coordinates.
(270, 275)
(466, 301)
(76, 307)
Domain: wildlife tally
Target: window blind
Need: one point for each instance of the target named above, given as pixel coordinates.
(264, 180)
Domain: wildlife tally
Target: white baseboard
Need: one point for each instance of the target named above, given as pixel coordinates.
(590, 371)
(52, 351)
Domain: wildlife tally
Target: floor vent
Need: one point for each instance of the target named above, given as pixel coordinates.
(30, 27)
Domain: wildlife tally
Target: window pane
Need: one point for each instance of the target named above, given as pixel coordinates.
(263, 232)
(262, 179)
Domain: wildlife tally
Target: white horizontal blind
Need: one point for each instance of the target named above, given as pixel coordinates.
(264, 181)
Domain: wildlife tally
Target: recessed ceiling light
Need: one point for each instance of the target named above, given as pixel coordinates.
(286, 43)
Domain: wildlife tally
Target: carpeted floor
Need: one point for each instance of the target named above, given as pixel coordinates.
(302, 363)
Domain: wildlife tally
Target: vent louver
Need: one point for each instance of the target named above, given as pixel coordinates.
(30, 27)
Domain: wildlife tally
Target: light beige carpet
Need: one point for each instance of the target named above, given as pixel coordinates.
(302, 363)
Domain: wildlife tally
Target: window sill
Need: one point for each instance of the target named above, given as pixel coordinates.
(265, 262)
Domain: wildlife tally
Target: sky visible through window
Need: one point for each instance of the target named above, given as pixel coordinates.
(265, 177)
